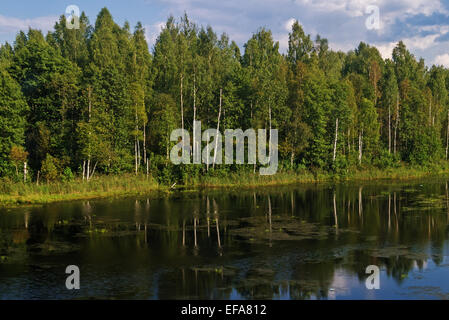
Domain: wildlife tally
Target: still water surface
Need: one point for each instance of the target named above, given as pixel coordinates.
(295, 242)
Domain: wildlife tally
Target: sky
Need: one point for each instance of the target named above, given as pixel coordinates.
(423, 25)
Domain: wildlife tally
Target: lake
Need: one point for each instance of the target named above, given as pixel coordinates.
(284, 242)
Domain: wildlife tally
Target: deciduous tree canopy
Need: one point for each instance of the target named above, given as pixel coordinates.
(98, 99)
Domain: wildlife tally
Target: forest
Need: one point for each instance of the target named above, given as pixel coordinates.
(97, 101)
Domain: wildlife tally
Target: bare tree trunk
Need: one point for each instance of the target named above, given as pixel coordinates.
(207, 152)
(182, 111)
(147, 168)
(269, 114)
(136, 141)
(25, 171)
(93, 170)
(38, 174)
(335, 140)
(360, 146)
(218, 130)
(89, 93)
(138, 153)
(84, 169)
(447, 134)
(194, 146)
(251, 107)
(166, 149)
(389, 129)
(135, 154)
(144, 144)
(88, 170)
(396, 127)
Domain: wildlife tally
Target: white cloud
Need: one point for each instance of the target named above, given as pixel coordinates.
(282, 36)
(289, 24)
(415, 43)
(356, 8)
(341, 21)
(152, 32)
(442, 60)
(11, 24)
(386, 50)
(421, 42)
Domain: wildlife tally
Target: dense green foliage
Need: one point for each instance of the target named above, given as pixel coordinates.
(97, 99)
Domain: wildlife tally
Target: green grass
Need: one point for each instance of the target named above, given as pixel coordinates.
(128, 184)
(98, 187)
(248, 179)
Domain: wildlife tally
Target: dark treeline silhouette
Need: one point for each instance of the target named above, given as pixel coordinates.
(98, 99)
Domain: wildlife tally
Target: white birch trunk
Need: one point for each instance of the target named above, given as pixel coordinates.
(389, 129)
(25, 171)
(194, 144)
(84, 169)
(135, 155)
(360, 146)
(447, 134)
(147, 167)
(93, 170)
(88, 169)
(144, 144)
(182, 112)
(396, 127)
(218, 130)
(138, 153)
(335, 140)
(90, 113)
(430, 112)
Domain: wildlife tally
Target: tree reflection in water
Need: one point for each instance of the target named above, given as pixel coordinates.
(283, 242)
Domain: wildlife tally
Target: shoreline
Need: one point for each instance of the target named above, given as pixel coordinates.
(125, 185)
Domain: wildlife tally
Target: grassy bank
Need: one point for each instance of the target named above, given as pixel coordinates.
(98, 187)
(248, 179)
(123, 185)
